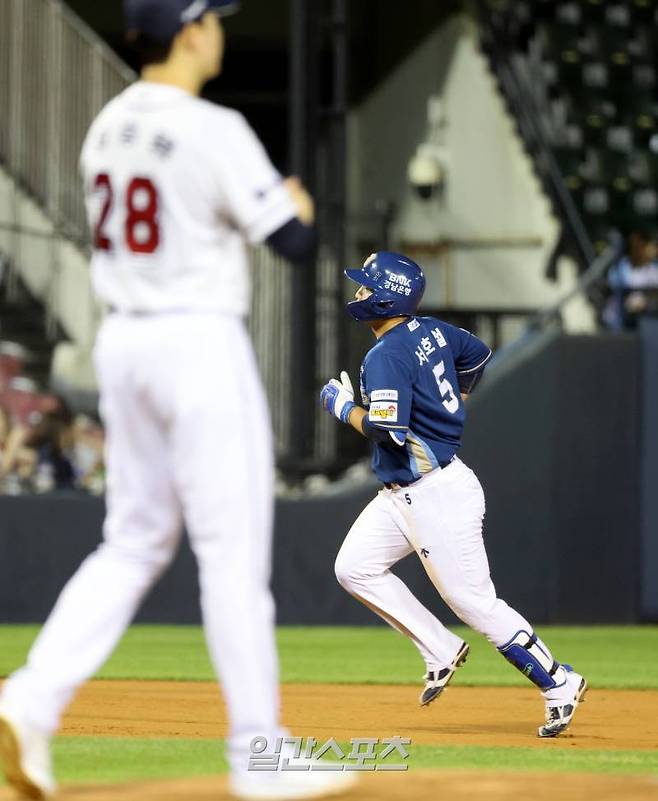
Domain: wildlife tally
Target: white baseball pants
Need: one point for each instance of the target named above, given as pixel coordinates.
(440, 517)
(188, 438)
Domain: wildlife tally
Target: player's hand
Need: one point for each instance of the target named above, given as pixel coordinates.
(337, 397)
(302, 200)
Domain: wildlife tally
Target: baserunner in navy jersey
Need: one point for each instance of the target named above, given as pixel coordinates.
(410, 383)
(414, 382)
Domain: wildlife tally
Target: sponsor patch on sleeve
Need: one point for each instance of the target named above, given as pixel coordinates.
(384, 394)
(383, 412)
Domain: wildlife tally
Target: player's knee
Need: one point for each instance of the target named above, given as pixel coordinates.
(473, 609)
(144, 563)
(342, 569)
(347, 571)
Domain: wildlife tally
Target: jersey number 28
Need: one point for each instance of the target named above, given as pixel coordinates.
(142, 232)
(448, 397)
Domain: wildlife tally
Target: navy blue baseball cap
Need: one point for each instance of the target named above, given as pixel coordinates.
(163, 19)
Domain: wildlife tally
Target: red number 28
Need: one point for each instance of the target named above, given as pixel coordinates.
(142, 231)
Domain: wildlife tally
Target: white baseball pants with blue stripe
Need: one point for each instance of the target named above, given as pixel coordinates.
(188, 438)
(439, 517)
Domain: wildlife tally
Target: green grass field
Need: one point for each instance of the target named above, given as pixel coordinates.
(611, 657)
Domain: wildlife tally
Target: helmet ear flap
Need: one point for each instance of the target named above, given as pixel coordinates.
(383, 305)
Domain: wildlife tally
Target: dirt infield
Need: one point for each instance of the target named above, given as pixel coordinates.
(485, 716)
(611, 719)
(423, 785)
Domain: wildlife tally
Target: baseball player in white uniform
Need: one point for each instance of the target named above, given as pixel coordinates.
(175, 188)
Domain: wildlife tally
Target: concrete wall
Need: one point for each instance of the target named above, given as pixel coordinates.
(55, 270)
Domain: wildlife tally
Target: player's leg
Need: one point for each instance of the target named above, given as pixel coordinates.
(141, 531)
(373, 545)
(445, 521)
(222, 447)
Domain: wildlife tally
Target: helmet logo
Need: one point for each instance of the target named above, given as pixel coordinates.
(399, 279)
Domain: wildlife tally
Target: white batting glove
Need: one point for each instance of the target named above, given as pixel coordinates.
(337, 397)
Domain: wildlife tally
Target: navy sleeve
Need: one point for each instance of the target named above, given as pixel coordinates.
(388, 384)
(471, 356)
(294, 241)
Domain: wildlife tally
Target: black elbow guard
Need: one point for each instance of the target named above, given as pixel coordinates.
(468, 381)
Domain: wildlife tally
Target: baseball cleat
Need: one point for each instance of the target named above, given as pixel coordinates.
(437, 680)
(290, 786)
(559, 716)
(25, 757)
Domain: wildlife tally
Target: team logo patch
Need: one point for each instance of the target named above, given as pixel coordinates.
(383, 411)
(384, 394)
(413, 325)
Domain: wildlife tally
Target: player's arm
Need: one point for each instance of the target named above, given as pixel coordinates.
(266, 207)
(294, 241)
(297, 240)
(337, 397)
(389, 388)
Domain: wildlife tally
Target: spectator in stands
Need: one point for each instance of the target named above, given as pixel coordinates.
(38, 453)
(88, 447)
(5, 428)
(52, 440)
(18, 460)
(633, 282)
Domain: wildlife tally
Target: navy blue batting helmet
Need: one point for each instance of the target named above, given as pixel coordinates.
(397, 285)
(162, 19)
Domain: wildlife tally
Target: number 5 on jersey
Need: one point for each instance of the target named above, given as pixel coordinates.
(141, 229)
(448, 397)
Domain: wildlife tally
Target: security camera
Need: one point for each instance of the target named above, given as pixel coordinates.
(427, 169)
(425, 173)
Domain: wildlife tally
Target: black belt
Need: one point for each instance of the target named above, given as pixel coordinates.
(401, 484)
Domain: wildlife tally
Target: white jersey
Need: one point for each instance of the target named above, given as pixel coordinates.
(175, 187)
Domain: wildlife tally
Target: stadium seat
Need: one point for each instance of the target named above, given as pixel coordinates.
(598, 229)
(562, 43)
(611, 166)
(570, 161)
(611, 44)
(640, 111)
(651, 169)
(637, 207)
(595, 114)
(620, 138)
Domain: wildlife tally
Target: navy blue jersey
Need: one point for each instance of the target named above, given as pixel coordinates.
(410, 385)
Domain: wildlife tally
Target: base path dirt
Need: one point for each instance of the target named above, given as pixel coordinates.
(485, 716)
(425, 785)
